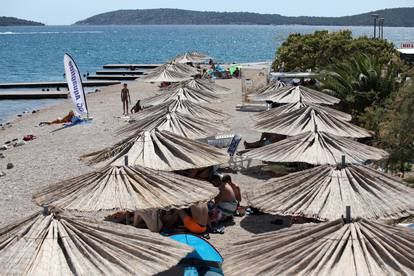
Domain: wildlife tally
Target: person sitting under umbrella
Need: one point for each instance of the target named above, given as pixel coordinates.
(226, 202)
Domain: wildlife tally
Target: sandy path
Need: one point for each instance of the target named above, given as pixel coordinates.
(55, 156)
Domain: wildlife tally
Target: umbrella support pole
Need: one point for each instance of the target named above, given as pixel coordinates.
(348, 217)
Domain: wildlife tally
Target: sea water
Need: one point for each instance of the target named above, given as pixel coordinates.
(31, 54)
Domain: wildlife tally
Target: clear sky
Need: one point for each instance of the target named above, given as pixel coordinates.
(59, 12)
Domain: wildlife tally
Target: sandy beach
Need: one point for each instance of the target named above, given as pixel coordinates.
(53, 157)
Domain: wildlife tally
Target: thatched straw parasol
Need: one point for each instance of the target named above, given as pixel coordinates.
(171, 72)
(184, 107)
(165, 76)
(61, 245)
(309, 118)
(317, 148)
(323, 192)
(182, 93)
(334, 248)
(175, 122)
(200, 85)
(161, 150)
(125, 188)
(271, 87)
(193, 57)
(287, 108)
(294, 94)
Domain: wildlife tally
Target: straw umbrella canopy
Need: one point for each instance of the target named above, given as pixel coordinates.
(200, 85)
(294, 94)
(175, 122)
(57, 244)
(361, 247)
(271, 87)
(165, 76)
(184, 107)
(184, 68)
(309, 118)
(199, 55)
(182, 93)
(123, 188)
(161, 150)
(287, 108)
(177, 67)
(317, 148)
(323, 192)
(191, 58)
(171, 72)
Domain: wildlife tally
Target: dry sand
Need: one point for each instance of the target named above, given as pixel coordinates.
(53, 157)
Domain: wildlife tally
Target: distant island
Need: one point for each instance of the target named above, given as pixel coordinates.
(13, 21)
(398, 17)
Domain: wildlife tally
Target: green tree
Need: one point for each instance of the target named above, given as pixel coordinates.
(397, 128)
(360, 82)
(322, 48)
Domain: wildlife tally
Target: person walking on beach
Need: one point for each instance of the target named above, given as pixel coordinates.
(125, 98)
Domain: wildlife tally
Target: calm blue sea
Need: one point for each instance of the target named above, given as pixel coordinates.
(36, 53)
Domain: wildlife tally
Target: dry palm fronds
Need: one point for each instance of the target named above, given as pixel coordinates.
(183, 107)
(61, 245)
(317, 148)
(334, 248)
(323, 192)
(294, 94)
(175, 122)
(309, 118)
(287, 108)
(125, 188)
(182, 93)
(163, 151)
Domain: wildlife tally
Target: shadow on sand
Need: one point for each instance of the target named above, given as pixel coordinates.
(263, 223)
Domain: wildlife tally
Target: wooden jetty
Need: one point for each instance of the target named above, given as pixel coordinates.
(128, 66)
(33, 95)
(111, 77)
(55, 84)
(119, 72)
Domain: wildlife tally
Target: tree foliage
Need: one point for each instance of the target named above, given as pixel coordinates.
(369, 78)
(361, 81)
(323, 48)
(396, 128)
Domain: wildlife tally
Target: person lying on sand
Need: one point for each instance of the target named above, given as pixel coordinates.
(66, 119)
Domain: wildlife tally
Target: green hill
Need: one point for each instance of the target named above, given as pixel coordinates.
(13, 21)
(402, 17)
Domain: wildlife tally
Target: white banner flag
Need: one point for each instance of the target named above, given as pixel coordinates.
(74, 81)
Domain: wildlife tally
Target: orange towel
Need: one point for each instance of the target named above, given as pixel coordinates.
(192, 226)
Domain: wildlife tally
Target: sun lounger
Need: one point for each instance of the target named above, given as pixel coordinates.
(219, 141)
(253, 106)
(237, 161)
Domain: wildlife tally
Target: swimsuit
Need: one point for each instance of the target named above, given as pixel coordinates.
(228, 207)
